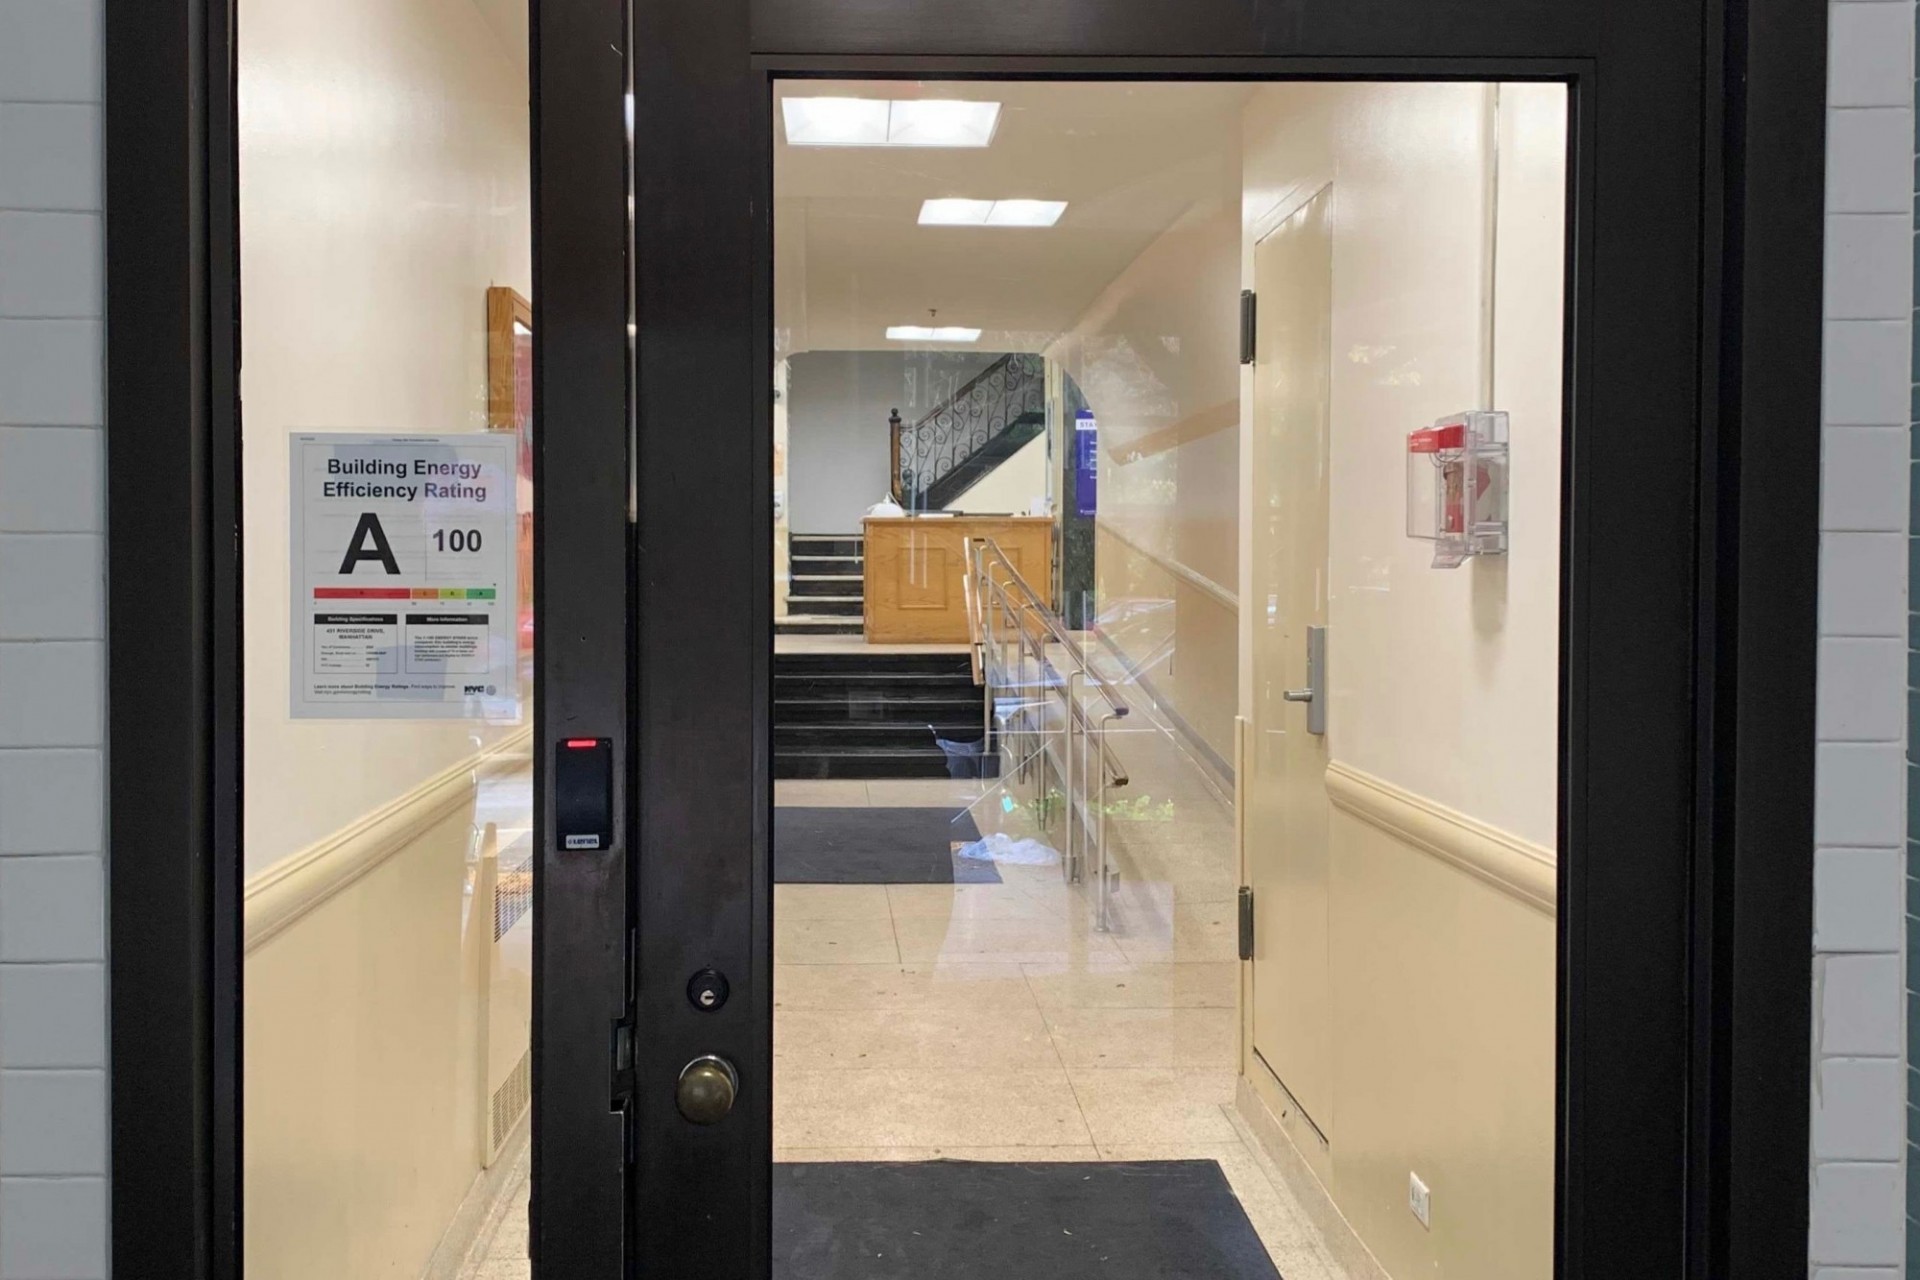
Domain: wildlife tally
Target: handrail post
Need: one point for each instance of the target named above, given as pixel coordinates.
(1103, 895)
(1006, 597)
(1073, 780)
(984, 638)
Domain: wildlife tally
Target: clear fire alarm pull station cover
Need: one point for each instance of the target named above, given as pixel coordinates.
(1457, 486)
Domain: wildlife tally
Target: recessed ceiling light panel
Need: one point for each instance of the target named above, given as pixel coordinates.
(877, 122)
(955, 213)
(1026, 213)
(931, 333)
(991, 213)
(942, 122)
(835, 122)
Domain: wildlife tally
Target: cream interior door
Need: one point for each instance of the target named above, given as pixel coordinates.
(1287, 820)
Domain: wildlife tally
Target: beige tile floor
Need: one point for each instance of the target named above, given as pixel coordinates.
(995, 1022)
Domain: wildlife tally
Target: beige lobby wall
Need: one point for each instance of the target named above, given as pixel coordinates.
(363, 1073)
(368, 1000)
(1197, 681)
(1443, 1060)
(383, 188)
(1469, 654)
(1444, 683)
(1157, 357)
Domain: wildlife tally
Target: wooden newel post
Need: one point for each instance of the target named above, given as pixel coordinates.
(893, 434)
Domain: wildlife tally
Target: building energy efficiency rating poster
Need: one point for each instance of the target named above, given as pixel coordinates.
(404, 551)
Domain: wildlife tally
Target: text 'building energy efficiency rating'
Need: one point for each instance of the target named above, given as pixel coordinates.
(402, 578)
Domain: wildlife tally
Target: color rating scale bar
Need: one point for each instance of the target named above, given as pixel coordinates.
(404, 593)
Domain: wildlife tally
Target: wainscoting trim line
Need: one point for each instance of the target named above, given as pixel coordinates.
(278, 896)
(1518, 867)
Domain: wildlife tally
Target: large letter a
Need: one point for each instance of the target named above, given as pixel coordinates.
(369, 531)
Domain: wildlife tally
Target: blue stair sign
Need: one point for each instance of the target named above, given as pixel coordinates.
(1086, 463)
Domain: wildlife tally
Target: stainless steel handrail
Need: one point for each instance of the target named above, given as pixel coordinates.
(997, 590)
(1054, 625)
(1033, 605)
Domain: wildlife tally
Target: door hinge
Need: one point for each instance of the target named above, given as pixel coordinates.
(620, 1043)
(1246, 922)
(622, 1064)
(1249, 316)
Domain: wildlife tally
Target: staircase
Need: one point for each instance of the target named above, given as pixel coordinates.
(982, 462)
(984, 423)
(826, 585)
(872, 715)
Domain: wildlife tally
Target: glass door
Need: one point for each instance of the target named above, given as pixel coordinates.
(1010, 972)
(971, 910)
(436, 338)
(956, 637)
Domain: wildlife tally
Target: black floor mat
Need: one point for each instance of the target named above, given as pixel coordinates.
(965, 1220)
(878, 845)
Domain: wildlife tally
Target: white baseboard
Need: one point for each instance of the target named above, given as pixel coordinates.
(488, 1202)
(1355, 1260)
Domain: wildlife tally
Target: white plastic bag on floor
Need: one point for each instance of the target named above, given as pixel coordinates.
(1016, 851)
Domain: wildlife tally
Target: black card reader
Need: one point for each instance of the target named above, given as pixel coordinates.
(583, 793)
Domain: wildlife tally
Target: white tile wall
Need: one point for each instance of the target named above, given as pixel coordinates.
(1858, 1147)
(53, 1082)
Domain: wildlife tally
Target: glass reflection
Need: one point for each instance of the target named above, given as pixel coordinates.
(1041, 689)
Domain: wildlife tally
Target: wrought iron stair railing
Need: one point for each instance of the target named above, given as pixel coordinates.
(939, 457)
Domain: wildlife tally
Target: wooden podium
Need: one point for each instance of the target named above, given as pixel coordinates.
(916, 568)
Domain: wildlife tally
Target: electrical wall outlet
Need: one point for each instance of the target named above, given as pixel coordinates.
(1420, 1200)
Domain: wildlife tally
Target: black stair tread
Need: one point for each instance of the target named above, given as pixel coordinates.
(797, 768)
(825, 664)
(955, 695)
(852, 752)
(841, 703)
(879, 743)
(951, 730)
(861, 714)
(869, 660)
(876, 714)
(832, 683)
(826, 606)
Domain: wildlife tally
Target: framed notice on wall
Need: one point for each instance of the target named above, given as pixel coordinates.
(510, 412)
(404, 577)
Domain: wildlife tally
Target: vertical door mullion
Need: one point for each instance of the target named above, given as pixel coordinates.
(702, 570)
(582, 612)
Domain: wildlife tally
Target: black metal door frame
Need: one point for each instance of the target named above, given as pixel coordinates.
(1686, 724)
(1690, 580)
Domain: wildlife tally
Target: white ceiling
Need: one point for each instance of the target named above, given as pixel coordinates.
(1130, 159)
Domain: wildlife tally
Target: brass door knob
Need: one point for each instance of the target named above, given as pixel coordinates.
(707, 1088)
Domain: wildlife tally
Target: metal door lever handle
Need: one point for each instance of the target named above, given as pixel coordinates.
(1315, 694)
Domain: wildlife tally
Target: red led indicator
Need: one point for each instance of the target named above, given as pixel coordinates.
(582, 744)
